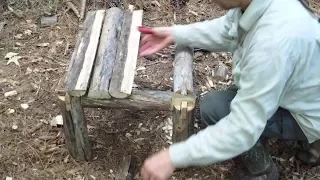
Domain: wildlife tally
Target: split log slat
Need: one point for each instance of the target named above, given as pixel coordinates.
(127, 54)
(138, 100)
(183, 85)
(106, 55)
(84, 54)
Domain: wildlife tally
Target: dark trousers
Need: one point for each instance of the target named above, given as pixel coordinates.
(216, 105)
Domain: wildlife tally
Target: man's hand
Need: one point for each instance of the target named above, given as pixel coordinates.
(158, 167)
(155, 40)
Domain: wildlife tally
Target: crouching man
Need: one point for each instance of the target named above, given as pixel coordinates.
(276, 70)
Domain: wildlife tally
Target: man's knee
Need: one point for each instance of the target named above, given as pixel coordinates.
(215, 106)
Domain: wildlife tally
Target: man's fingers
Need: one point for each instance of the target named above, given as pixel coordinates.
(145, 175)
(145, 46)
(145, 39)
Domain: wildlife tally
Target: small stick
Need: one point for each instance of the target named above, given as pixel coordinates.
(73, 8)
(16, 13)
(35, 128)
(83, 9)
(157, 62)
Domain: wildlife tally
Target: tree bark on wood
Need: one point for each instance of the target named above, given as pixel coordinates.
(183, 70)
(127, 169)
(106, 55)
(84, 55)
(80, 130)
(138, 100)
(79, 52)
(75, 128)
(124, 69)
(68, 130)
(183, 84)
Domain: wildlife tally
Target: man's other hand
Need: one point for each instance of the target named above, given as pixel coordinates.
(158, 167)
(155, 40)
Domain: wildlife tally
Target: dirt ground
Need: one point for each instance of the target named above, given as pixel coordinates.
(31, 148)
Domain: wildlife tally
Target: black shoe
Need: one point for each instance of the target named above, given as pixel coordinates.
(244, 174)
(256, 164)
(310, 155)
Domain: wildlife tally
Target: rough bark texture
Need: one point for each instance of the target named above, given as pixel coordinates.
(183, 70)
(84, 54)
(124, 69)
(68, 130)
(139, 100)
(127, 169)
(106, 55)
(183, 84)
(80, 130)
(118, 71)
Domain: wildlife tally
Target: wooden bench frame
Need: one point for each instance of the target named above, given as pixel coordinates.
(181, 102)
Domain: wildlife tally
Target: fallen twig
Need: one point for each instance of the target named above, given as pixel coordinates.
(83, 8)
(153, 63)
(35, 128)
(73, 8)
(2, 24)
(46, 138)
(30, 88)
(17, 13)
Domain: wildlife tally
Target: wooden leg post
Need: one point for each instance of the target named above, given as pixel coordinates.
(75, 129)
(183, 100)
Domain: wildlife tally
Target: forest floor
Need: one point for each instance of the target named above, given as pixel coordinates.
(34, 59)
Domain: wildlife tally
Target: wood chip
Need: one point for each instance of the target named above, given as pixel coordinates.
(138, 140)
(10, 93)
(24, 106)
(14, 127)
(57, 121)
(10, 111)
(46, 138)
(42, 45)
(194, 13)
